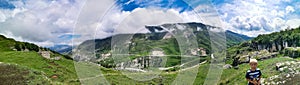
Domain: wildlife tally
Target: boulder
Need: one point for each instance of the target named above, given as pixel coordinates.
(227, 66)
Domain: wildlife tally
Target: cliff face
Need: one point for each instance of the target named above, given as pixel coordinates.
(272, 47)
(274, 43)
(277, 41)
(141, 63)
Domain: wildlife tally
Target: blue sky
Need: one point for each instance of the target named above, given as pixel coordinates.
(52, 22)
(128, 5)
(250, 17)
(6, 5)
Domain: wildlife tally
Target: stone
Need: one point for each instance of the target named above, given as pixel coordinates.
(56, 58)
(54, 76)
(236, 67)
(281, 69)
(45, 54)
(288, 75)
(227, 66)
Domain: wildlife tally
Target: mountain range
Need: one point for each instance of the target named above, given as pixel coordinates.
(26, 63)
(232, 37)
(142, 43)
(63, 49)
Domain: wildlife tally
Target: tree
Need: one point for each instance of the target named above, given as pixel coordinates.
(18, 47)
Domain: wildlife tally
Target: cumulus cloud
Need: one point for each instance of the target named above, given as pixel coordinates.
(293, 23)
(2, 17)
(208, 15)
(256, 17)
(47, 22)
(90, 18)
(43, 22)
(116, 21)
(38, 21)
(136, 21)
(289, 9)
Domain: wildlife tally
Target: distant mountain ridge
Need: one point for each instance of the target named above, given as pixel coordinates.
(245, 37)
(63, 49)
(142, 43)
(235, 38)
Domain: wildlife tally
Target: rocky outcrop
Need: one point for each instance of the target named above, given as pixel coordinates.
(289, 72)
(47, 55)
(141, 63)
(260, 55)
(227, 66)
(293, 52)
(271, 47)
(200, 50)
(167, 36)
(156, 59)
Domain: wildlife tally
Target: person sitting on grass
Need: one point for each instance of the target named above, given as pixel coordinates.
(253, 75)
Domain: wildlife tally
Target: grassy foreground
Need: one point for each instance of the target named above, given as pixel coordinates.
(35, 69)
(53, 71)
(229, 76)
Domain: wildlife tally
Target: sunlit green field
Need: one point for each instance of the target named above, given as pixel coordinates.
(229, 76)
(32, 61)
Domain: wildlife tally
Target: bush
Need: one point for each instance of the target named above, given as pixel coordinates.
(291, 52)
(10, 74)
(107, 63)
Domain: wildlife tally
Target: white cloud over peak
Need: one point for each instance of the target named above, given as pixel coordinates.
(136, 21)
(115, 21)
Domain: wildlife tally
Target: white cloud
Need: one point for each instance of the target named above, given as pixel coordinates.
(293, 23)
(90, 17)
(32, 21)
(260, 1)
(289, 9)
(64, 23)
(278, 13)
(9, 34)
(116, 21)
(208, 15)
(254, 33)
(136, 21)
(258, 16)
(43, 22)
(130, 1)
(2, 17)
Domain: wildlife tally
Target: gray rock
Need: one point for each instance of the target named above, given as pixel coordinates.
(227, 66)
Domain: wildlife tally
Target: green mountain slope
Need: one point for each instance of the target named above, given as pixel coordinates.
(141, 44)
(24, 59)
(285, 43)
(268, 65)
(262, 48)
(26, 66)
(233, 38)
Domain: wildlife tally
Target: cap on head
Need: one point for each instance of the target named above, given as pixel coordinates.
(253, 61)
